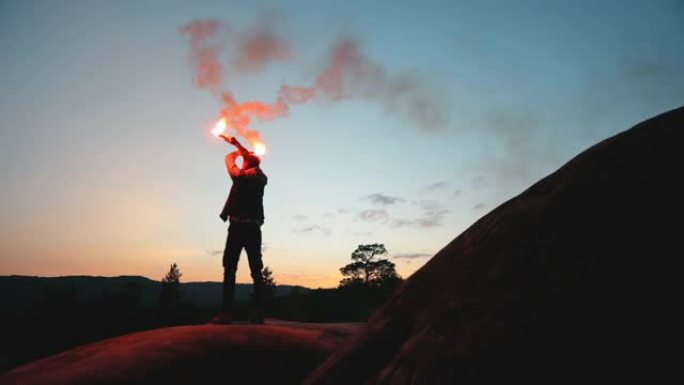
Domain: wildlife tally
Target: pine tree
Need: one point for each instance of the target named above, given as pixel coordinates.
(170, 293)
(269, 283)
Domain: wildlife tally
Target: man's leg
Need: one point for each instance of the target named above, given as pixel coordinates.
(253, 248)
(231, 256)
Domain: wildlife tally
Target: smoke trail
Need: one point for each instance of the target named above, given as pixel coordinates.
(259, 46)
(253, 49)
(348, 74)
(205, 49)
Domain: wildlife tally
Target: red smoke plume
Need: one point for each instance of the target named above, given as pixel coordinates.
(204, 52)
(349, 74)
(258, 47)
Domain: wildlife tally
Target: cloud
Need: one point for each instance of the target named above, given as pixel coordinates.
(411, 255)
(299, 217)
(313, 228)
(434, 219)
(373, 215)
(479, 206)
(382, 199)
(441, 185)
(432, 214)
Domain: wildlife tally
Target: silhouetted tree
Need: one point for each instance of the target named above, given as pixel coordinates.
(269, 283)
(269, 286)
(367, 269)
(170, 287)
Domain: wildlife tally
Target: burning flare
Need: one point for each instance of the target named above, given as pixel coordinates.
(259, 149)
(220, 129)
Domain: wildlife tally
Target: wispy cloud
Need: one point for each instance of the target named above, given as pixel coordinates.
(313, 228)
(299, 217)
(432, 214)
(441, 185)
(373, 215)
(426, 221)
(411, 255)
(382, 199)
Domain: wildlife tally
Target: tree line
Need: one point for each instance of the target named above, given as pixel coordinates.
(61, 318)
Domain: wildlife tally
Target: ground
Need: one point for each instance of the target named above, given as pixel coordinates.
(280, 351)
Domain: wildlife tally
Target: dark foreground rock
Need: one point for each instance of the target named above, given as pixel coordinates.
(572, 281)
(276, 353)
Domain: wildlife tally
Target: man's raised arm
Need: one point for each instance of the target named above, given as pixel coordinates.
(231, 139)
(233, 169)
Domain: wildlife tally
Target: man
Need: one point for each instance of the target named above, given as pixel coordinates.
(245, 210)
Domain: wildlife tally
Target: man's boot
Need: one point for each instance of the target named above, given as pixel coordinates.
(225, 316)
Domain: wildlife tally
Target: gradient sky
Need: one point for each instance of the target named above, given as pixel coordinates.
(107, 166)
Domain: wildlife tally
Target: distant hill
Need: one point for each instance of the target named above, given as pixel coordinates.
(17, 293)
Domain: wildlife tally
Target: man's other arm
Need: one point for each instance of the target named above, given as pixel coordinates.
(233, 169)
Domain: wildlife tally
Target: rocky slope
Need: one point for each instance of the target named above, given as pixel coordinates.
(572, 281)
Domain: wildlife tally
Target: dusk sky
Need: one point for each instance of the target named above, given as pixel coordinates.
(108, 167)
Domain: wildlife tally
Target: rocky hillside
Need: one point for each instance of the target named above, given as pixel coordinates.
(572, 281)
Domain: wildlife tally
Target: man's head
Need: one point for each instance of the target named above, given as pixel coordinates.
(250, 161)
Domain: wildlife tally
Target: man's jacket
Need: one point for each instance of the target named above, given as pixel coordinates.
(245, 201)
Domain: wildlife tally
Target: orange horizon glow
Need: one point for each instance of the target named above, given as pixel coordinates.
(153, 263)
(191, 273)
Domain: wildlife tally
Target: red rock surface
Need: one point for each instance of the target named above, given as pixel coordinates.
(572, 281)
(278, 352)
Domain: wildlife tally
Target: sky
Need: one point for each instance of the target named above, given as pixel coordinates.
(108, 167)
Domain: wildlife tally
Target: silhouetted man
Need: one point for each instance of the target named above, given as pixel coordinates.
(245, 210)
